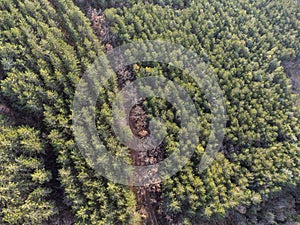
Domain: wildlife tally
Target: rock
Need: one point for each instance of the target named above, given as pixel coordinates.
(143, 133)
(241, 209)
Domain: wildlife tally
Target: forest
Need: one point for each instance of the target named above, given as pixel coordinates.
(252, 47)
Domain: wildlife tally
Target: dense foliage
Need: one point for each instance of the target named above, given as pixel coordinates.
(45, 48)
(24, 197)
(243, 43)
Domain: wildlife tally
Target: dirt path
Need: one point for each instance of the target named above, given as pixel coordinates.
(151, 212)
(147, 197)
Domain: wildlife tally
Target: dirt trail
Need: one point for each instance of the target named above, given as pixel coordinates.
(152, 215)
(147, 197)
(292, 69)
